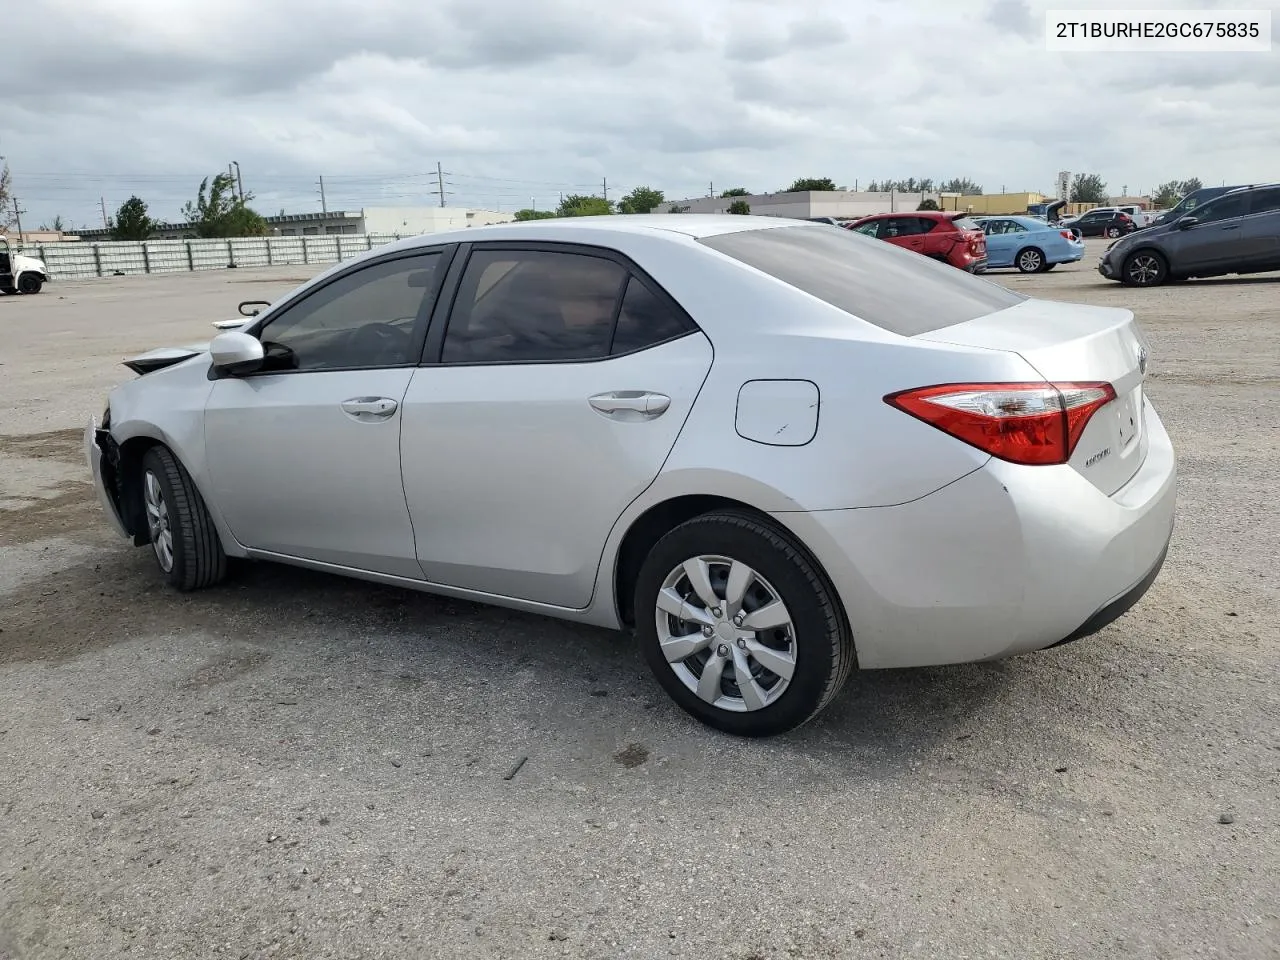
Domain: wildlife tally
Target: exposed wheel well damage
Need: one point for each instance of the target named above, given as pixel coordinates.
(123, 464)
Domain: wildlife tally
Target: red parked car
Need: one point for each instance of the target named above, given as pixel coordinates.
(950, 237)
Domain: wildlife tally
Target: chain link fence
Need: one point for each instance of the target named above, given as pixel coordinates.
(76, 260)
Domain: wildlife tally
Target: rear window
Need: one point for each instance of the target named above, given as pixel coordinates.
(964, 223)
(895, 289)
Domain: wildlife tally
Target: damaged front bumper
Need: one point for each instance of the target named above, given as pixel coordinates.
(104, 460)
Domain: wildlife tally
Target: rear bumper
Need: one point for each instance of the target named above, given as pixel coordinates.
(1003, 561)
(975, 266)
(94, 455)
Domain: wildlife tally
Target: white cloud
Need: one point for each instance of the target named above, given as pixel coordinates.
(522, 101)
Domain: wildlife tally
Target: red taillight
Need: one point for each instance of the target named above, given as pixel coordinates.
(1124, 218)
(1029, 423)
(1068, 234)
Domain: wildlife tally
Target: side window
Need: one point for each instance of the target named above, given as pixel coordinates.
(1223, 209)
(871, 229)
(533, 305)
(369, 318)
(1012, 226)
(1265, 201)
(644, 320)
(927, 225)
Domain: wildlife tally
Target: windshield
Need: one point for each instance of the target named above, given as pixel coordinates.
(893, 288)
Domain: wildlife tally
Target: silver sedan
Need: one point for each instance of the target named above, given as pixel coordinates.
(773, 450)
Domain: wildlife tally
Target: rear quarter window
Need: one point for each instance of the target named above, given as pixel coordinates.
(964, 223)
(894, 289)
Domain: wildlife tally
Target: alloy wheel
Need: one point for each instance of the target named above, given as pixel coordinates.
(1144, 269)
(726, 633)
(158, 520)
(1030, 261)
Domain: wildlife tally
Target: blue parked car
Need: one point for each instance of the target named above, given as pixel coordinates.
(1030, 244)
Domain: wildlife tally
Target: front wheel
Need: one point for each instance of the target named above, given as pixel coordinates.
(183, 537)
(739, 626)
(29, 283)
(1030, 260)
(1145, 268)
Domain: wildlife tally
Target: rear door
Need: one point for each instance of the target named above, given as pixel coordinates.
(906, 232)
(548, 403)
(1261, 230)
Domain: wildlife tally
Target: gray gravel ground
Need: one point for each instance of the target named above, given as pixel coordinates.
(293, 765)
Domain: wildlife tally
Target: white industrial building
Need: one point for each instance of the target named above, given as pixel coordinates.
(803, 205)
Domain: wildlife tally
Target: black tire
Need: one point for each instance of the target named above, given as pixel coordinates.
(29, 283)
(1048, 267)
(1030, 260)
(823, 646)
(1113, 232)
(197, 558)
(1144, 268)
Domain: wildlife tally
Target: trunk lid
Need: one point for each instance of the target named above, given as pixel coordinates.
(1070, 342)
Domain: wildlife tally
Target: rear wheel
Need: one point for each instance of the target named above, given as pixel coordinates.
(739, 626)
(183, 537)
(1030, 260)
(1048, 267)
(1113, 232)
(1144, 268)
(29, 283)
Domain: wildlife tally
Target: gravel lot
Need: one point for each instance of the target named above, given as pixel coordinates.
(293, 765)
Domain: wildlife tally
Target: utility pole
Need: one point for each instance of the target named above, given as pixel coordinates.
(711, 188)
(324, 208)
(103, 202)
(440, 182)
(239, 180)
(604, 188)
(17, 215)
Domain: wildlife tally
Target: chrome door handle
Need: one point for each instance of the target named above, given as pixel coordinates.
(630, 405)
(367, 409)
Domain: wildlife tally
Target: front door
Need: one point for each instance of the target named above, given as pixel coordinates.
(564, 378)
(1001, 242)
(305, 454)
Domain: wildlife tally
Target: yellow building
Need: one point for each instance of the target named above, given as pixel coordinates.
(991, 203)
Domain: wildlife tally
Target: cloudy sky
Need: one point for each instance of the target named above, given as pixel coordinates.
(522, 100)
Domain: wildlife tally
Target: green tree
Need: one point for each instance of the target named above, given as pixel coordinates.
(811, 183)
(579, 205)
(641, 200)
(1168, 194)
(928, 203)
(528, 214)
(961, 185)
(1088, 188)
(740, 207)
(218, 211)
(736, 192)
(56, 224)
(131, 221)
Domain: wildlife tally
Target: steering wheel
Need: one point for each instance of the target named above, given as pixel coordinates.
(379, 343)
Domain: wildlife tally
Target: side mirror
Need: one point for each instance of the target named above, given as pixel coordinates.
(236, 353)
(1186, 223)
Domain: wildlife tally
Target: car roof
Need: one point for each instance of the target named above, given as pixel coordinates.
(571, 229)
